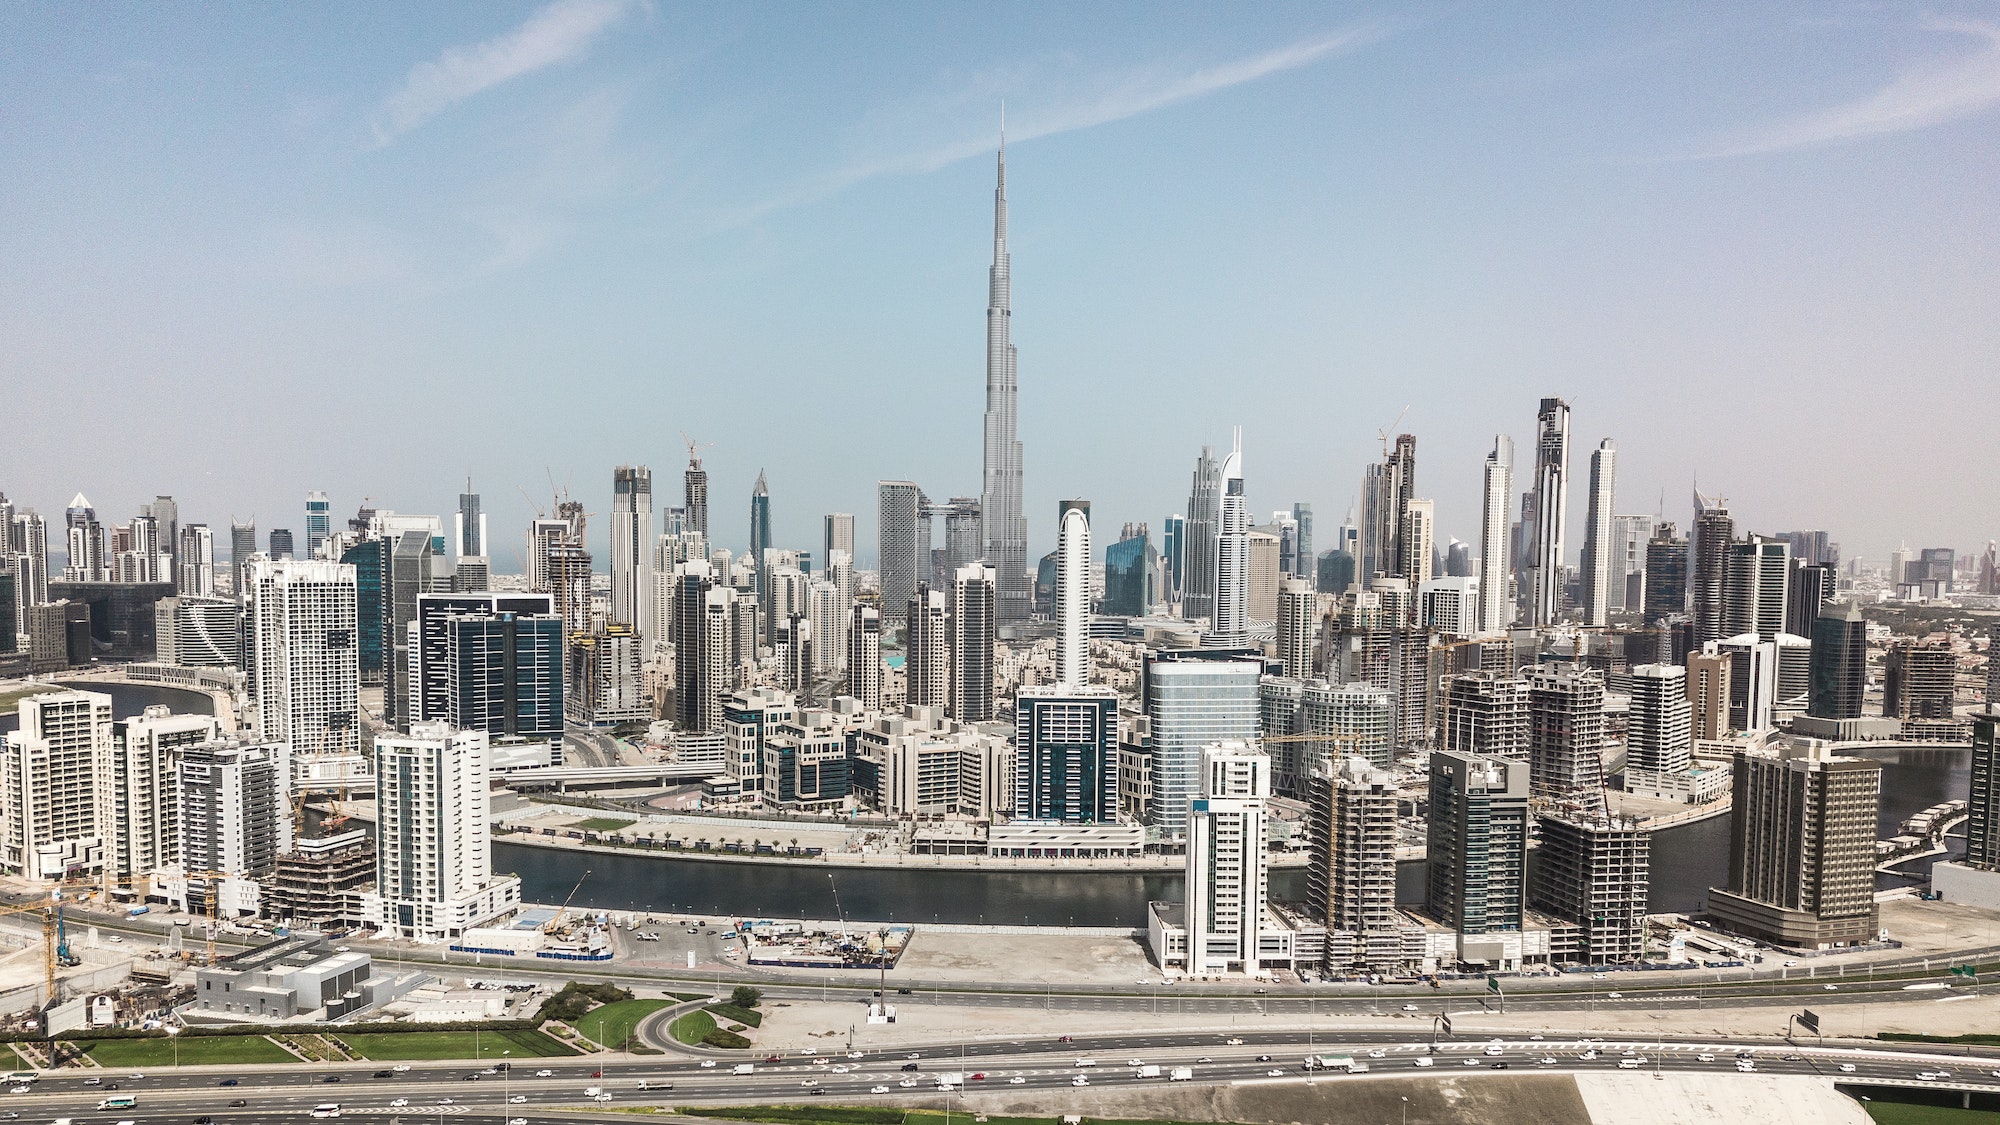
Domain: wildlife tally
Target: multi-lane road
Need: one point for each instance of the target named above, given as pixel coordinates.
(559, 1090)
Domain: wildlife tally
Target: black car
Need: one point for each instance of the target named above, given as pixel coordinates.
(228, 1082)
(239, 1103)
(475, 1077)
(902, 992)
(1263, 1058)
(384, 1074)
(911, 1066)
(502, 1066)
(818, 1091)
(1500, 1066)
(204, 1119)
(331, 1078)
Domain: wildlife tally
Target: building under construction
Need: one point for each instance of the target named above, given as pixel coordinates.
(319, 883)
(1593, 871)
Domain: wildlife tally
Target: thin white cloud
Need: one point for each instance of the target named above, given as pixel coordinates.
(1929, 96)
(556, 33)
(1126, 96)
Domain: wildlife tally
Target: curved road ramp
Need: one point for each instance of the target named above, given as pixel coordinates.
(1489, 1099)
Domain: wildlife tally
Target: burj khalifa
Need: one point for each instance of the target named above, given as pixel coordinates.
(1004, 531)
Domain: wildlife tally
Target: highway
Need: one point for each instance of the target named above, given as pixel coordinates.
(555, 1090)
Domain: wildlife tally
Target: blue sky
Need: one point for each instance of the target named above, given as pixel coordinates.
(250, 250)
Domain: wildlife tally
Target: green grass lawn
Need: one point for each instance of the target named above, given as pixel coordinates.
(194, 1050)
(388, 1045)
(692, 1027)
(10, 698)
(740, 1015)
(1903, 1113)
(603, 824)
(613, 1024)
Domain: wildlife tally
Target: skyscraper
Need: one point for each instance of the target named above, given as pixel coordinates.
(836, 534)
(1594, 872)
(1801, 847)
(632, 548)
(1006, 530)
(1551, 511)
(1131, 572)
(49, 780)
(1351, 882)
(1486, 715)
(1066, 747)
(1982, 825)
(760, 521)
(307, 662)
(235, 816)
(1812, 585)
(903, 542)
(195, 561)
(319, 522)
(1073, 594)
(469, 526)
(1603, 574)
(242, 544)
(1659, 726)
(1666, 573)
(864, 656)
(1839, 662)
(694, 494)
(1204, 514)
(1232, 556)
(1495, 604)
(1191, 702)
(1756, 583)
(971, 616)
(1708, 564)
(1477, 852)
(1566, 735)
(281, 543)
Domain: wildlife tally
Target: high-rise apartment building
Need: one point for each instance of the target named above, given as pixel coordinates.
(55, 766)
(1298, 626)
(235, 809)
(242, 544)
(1073, 611)
(1351, 882)
(1131, 575)
(1006, 529)
(195, 561)
(903, 553)
(469, 525)
(434, 869)
(1227, 887)
(281, 544)
(1416, 541)
(1839, 662)
(1449, 606)
(1708, 693)
(140, 807)
(198, 632)
(1066, 754)
(1599, 565)
(1191, 702)
(1551, 511)
(1232, 557)
(760, 521)
(1982, 825)
(1812, 585)
(836, 534)
(1202, 525)
(927, 648)
(1477, 851)
(694, 495)
(1919, 681)
(1496, 606)
(1801, 847)
(308, 669)
(1629, 536)
(972, 621)
(864, 656)
(1659, 725)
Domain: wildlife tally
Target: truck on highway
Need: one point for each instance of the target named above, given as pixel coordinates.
(1181, 1074)
(1086, 1062)
(950, 1081)
(1344, 1063)
(1149, 1071)
(743, 1068)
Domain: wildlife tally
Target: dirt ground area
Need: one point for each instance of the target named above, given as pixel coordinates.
(1514, 1100)
(1057, 959)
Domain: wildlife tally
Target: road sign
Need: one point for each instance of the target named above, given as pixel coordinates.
(1492, 983)
(1968, 971)
(1809, 1020)
(1446, 1021)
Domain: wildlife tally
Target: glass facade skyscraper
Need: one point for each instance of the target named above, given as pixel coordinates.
(1192, 702)
(1128, 577)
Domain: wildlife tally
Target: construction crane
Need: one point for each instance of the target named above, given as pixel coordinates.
(1393, 426)
(213, 894)
(694, 449)
(555, 923)
(55, 942)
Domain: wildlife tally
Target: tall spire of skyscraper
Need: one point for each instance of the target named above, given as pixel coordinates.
(1005, 531)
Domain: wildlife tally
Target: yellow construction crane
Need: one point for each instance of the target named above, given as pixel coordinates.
(55, 946)
(214, 897)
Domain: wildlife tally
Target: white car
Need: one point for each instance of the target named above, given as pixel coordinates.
(1847, 1068)
(404, 1068)
(707, 1064)
(1472, 1062)
(907, 1083)
(518, 1121)
(446, 1101)
(399, 1103)
(1705, 1057)
(604, 1097)
(1233, 1042)
(1274, 1074)
(1378, 1053)
(879, 1090)
(1425, 1062)
(1615, 995)
(1547, 1060)
(1017, 1080)
(1080, 1080)
(839, 1068)
(1589, 1055)
(538, 1074)
(1134, 1062)
(854, 1054)
(518, 1099)
(1409, 1007)
(22, 1089)
(810, 1051)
